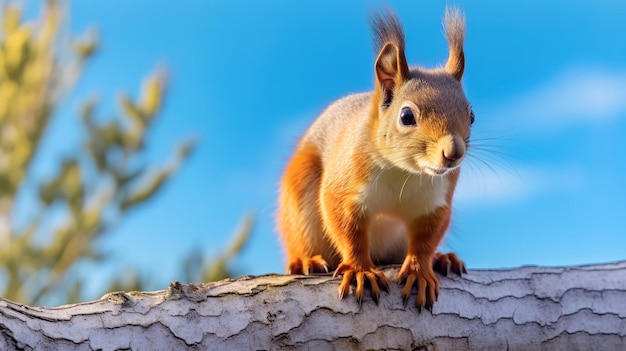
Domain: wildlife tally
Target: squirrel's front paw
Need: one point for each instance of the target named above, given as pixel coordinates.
(361, 276)
(307, 265)
(415, 272)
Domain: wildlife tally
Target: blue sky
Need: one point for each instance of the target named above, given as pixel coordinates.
(547, 82)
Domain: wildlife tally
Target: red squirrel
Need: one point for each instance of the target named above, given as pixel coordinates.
(371, 181)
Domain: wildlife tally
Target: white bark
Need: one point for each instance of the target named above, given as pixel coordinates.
(529, 308)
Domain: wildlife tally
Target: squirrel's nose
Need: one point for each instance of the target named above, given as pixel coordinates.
(451, 155)
(453, 149)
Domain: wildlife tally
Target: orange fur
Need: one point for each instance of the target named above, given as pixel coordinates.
(381, 168)
(298, 220)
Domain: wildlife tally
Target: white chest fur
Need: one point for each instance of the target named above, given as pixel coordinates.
(391, 199)
(403, 195)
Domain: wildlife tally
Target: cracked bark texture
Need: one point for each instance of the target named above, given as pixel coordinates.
(528, 308)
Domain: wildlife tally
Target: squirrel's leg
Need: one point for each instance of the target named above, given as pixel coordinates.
(357, 267)
(347, 230)
(425, 233)
(299, 222)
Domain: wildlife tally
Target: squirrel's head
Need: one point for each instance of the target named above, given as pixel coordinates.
(422, 119)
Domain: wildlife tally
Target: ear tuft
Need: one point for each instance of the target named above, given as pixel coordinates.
(454, 28)
(391, 67)
(386, 29)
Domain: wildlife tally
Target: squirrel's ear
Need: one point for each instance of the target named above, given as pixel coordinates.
(391, 71)
(454, 27)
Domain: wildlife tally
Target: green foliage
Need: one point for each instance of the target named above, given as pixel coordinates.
(93, 187)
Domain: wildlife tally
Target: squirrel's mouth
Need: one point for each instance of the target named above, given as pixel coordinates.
(436, 171)
(421, 165)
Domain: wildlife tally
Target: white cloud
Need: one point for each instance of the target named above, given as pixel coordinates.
(578, 94)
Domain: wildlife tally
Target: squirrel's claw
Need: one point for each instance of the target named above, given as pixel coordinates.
(307, 265)
(446, 263)
(372, 277)
(425, 279)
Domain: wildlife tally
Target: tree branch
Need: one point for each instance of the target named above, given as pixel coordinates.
(525, 308)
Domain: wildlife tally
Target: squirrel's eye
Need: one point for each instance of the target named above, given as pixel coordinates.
(407, 118)
(471, 117)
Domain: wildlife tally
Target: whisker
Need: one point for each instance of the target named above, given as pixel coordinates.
(483, 162)
(403, 184)
(489, 156)
(489, 149)
(484, 152)
(474, 166)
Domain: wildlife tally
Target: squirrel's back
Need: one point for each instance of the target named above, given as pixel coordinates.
(329, 127)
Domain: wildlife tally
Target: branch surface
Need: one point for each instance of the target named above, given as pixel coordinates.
(568, 308)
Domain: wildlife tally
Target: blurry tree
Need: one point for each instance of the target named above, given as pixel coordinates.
(198, 268)
(93, 187)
